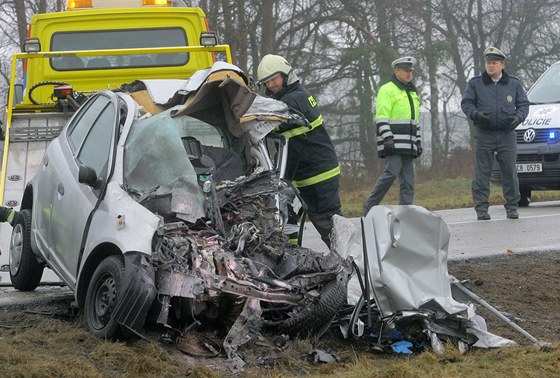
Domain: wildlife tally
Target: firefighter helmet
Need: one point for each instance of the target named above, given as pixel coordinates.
(271, 65)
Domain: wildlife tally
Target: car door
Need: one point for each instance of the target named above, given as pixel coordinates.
(88, 142)
(46, 181)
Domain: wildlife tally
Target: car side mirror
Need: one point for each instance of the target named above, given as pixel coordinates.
(87, 175)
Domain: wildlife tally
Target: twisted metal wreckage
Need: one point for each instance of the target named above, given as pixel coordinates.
(221, 257)
(236, 269)
(407, 294)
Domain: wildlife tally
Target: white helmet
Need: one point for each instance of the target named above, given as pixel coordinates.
(271, 65)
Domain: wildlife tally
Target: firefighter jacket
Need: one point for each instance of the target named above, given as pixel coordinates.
(311, 155)
(6, 214)
(500, 102)
(396, 116)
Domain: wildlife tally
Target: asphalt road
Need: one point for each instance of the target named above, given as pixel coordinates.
(536, 230)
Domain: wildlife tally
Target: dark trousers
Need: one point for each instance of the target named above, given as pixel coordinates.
(504, 145)
(322, 202)
(397, 165)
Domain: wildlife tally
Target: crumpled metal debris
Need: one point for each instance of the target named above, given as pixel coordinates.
(319, 356)
(197, 345)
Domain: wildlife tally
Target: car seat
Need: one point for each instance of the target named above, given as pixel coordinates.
(203, 164)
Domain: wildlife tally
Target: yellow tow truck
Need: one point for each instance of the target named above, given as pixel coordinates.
(92, 45)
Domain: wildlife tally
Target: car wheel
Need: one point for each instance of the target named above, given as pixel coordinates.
(309, 321)
(525, 198)
(25, 270)
(101, 298)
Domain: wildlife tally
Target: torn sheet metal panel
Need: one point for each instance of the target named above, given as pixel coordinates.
(161, 90)
(407, 253)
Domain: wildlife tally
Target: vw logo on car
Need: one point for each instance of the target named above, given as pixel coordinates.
(529, 135)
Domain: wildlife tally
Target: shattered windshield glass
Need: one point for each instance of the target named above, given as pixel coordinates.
(156, 162)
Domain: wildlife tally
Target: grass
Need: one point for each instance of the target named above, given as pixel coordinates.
(433, 194)
(54, 348)
(38, 346)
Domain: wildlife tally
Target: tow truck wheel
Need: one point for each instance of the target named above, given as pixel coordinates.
(101, 298)
(25, 269)
(525, 198)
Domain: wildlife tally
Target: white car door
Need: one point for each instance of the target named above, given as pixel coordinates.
(90, 141)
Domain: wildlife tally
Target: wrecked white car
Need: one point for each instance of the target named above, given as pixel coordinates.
(173, 213)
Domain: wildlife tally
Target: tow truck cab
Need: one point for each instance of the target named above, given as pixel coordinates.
(104, 25)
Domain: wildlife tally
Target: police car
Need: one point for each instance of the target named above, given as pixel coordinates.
(538, 138)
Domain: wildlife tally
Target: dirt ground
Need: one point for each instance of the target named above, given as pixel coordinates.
(523, 287)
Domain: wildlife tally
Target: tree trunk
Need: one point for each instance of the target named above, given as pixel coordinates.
(432, 60)
(41, 6)
(267, 42)
(385, 53)
(21, 20)
(367, 129)
(242, 36)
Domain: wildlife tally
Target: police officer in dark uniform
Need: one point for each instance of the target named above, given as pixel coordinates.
(312, 161)
(497, 103)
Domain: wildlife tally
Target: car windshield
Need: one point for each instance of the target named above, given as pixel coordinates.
(547, 88)
(156, 161)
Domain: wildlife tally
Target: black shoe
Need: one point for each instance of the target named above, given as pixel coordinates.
(483, 216)
(512, 214)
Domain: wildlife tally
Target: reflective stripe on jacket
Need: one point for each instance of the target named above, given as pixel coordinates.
(396, 116)
(311, 155)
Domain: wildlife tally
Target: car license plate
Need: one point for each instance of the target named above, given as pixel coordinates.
(529, 167)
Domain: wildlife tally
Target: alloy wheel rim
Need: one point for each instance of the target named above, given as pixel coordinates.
(16, 248)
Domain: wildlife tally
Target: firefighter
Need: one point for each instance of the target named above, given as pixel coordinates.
(7, 214)
(312, 161)
(398, 133)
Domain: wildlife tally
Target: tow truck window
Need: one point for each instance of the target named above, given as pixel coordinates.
(118, 39)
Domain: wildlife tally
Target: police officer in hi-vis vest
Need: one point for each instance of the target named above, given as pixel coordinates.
(398, 133)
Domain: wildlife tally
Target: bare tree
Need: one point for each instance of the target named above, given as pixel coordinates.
(342, 51)
(21, 20)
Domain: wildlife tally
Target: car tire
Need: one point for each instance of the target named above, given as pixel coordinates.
(525, 198)
(25, 270)
(311, 320)
(101, 298)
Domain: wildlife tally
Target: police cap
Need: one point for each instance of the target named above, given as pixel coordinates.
(492, 53)
(406, 63)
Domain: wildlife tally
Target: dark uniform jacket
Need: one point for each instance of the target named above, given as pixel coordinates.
(311, 155)
(500, 101)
